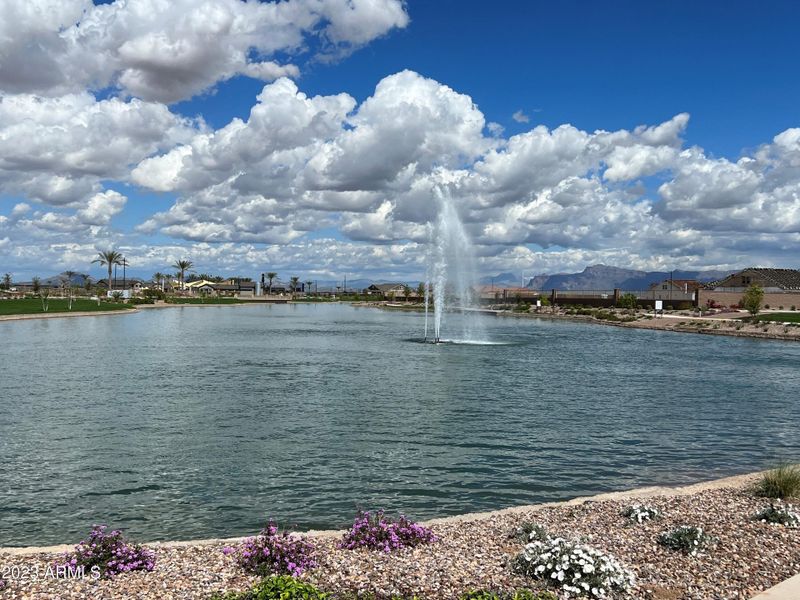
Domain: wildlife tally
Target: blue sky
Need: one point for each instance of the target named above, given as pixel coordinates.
(714, 187)
(595, 65)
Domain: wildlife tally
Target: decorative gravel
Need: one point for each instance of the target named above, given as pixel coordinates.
(474, 552)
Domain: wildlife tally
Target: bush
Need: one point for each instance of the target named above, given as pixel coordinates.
(778, 515)
(639, 513)
(281, 587)
(531, 532)
(154, 294)
(781, 482)
(627, 300)
(273, 552)
(575, 568)
(109, 554)
(379, 532)
(687, 539)
(517, 595)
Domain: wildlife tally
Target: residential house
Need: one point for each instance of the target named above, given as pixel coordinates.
(395, 291)
(233, 288)
(676, 285)
(772, 280)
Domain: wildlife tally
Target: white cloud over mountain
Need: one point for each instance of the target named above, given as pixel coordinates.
(270, 189)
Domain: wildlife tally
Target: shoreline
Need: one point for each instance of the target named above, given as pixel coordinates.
(474, 551)
(640, 492)
(57, 315)
(669, 324)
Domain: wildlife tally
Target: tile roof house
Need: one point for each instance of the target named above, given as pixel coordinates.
(772, 280)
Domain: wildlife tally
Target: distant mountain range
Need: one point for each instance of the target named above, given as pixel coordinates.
(602, 277)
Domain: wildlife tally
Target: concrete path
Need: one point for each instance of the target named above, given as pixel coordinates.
(787, 590)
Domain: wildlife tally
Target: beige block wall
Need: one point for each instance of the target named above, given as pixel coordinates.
(731, 298)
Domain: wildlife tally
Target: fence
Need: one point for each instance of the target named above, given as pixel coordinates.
(645, 298)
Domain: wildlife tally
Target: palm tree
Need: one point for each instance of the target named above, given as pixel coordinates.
(271, 276)
(182, 266)
(407, 292)
(109, 258)
(87, 284)
(294, 281)
(158, 277)
(308, 287)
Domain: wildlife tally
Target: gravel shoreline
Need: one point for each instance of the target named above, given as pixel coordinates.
(474, 551)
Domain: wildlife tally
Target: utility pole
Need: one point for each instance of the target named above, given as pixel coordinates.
(124, 264)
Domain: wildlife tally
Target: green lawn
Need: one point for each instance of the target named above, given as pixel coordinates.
(31, 306)
(784, 317)
(205, 301)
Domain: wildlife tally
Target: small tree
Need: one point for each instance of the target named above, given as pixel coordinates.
(627, 301)
(45, 296)
(293, 282)
(407, 292)
(7, 281)
(421, 292)
(36, 285)
(751, 301)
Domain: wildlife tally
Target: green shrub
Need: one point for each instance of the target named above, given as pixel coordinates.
(627, 301)
(517, 595)
(687, 539)
(781, 482)
(778, 515)
(531, 532)
(639, 513)
(282, 587)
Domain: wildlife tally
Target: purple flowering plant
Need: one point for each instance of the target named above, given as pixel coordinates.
(274, 552)
(376, 531)
(110, 553)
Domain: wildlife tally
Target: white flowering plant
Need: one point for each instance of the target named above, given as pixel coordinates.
(779, 514)
(578, 570)
(687, 539)
(639, 513)
(531, 532)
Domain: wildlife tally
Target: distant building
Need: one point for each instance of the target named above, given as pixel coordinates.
(676, 285)
(234, 288)
(772, 280)
(387, 290)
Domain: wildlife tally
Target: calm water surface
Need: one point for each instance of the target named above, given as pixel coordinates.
(200, 422)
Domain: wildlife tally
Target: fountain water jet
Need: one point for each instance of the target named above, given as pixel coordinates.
(450, 276)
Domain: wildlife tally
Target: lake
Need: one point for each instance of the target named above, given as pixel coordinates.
(194, 422)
